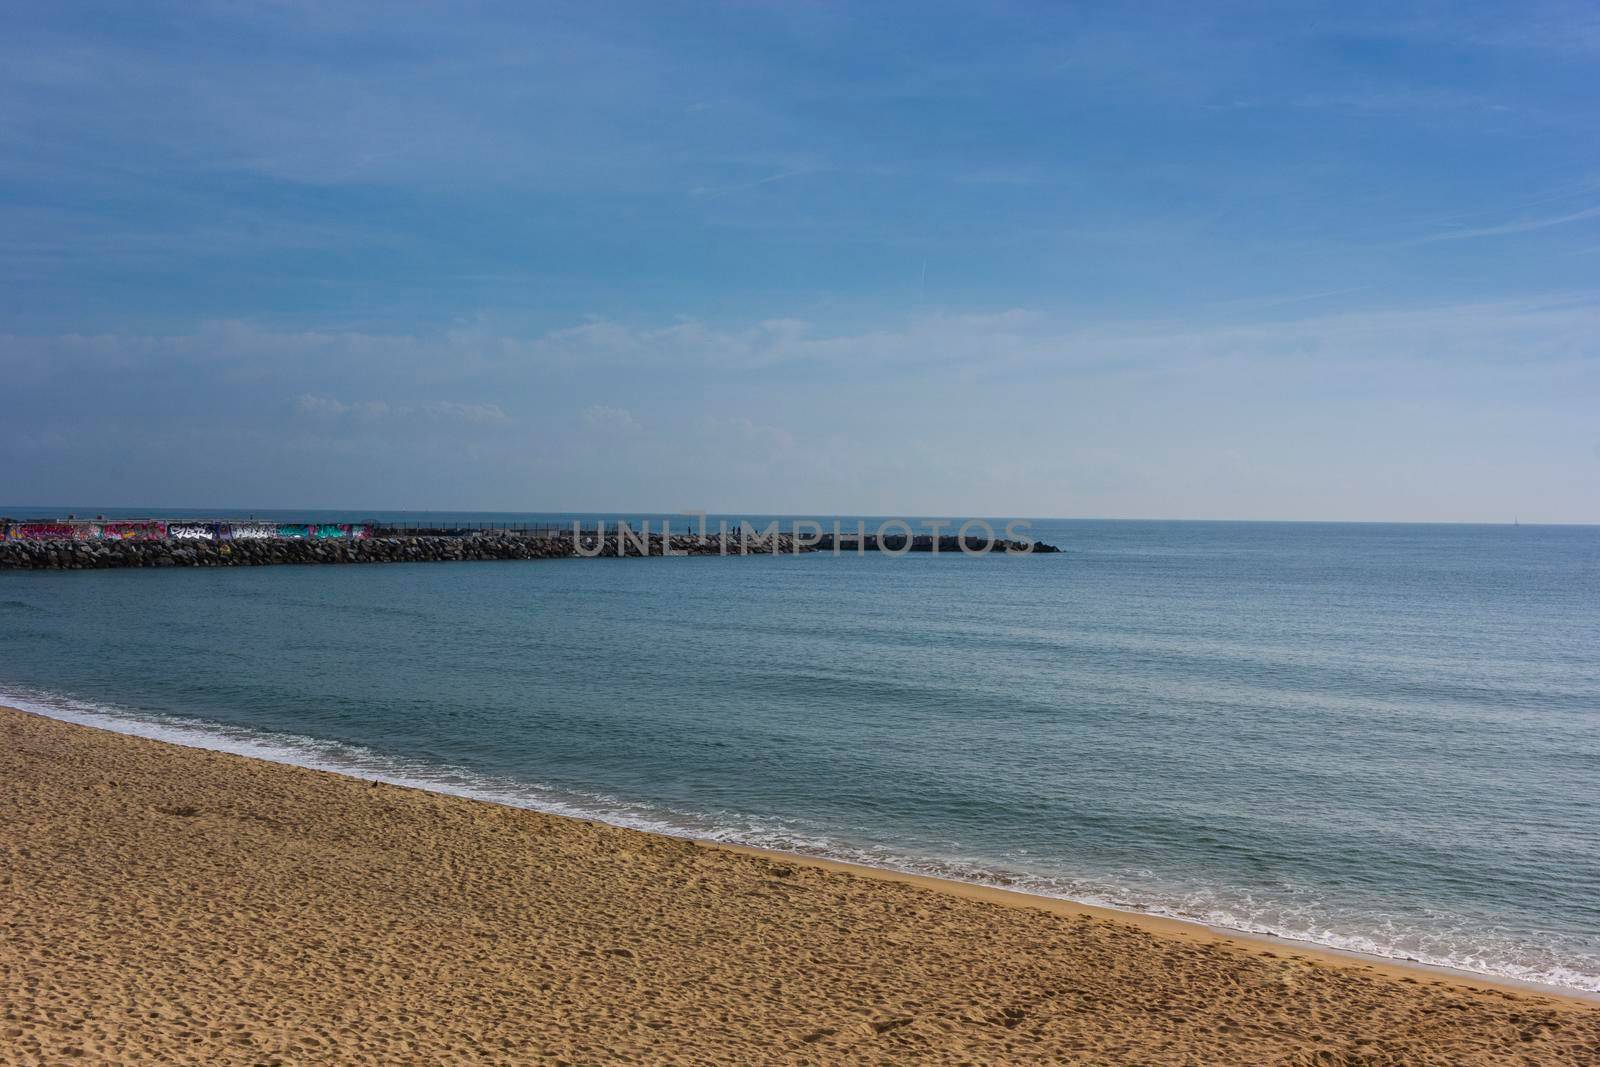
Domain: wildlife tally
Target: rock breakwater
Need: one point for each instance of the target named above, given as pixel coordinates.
(92, 555)
(96, 555)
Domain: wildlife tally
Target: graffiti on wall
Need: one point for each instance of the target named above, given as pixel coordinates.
(191, 531)
(249, 531)
(323, 531)
(133, 531)
(152, 530)
(42, 531)
(84, 531)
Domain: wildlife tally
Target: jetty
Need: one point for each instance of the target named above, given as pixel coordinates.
(73, 544)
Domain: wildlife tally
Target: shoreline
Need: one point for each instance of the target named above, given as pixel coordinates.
(1168, 926)
(1163, 925)
(176, 904)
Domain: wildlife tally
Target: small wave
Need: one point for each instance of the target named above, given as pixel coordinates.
(1413, 946)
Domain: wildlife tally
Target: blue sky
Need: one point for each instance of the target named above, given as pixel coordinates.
(1240, 261)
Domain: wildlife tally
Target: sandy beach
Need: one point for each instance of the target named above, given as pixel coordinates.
(169, 905)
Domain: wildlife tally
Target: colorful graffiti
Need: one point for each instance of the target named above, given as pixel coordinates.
(132, 531)
(154, 530)
(43, 531)
(324, 531)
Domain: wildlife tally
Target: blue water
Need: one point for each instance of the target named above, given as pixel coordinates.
(1374, 737)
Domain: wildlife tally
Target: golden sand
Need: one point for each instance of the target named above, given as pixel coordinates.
(167, 905)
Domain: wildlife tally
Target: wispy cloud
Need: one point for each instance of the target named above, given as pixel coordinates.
(1519, 226)
(607, 419)
(1264, 303)
(372, 410)
(712, 193)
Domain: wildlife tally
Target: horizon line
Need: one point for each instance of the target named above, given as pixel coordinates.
(58, 511)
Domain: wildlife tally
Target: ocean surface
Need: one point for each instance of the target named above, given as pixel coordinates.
(1383, 738)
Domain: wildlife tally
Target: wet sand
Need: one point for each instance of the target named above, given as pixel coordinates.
(161, 904)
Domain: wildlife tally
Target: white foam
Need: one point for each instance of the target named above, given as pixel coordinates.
(778, 836)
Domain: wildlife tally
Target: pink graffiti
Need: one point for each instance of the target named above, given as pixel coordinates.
(43, 531)
(133, 531)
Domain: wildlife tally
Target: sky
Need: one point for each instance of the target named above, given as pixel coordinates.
(1253, 261)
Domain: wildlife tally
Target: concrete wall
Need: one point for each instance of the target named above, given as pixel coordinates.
(153, 530)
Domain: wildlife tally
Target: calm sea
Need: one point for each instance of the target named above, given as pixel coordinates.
(1375, 737)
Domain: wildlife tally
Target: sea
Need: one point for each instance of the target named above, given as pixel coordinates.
(1381, 738)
